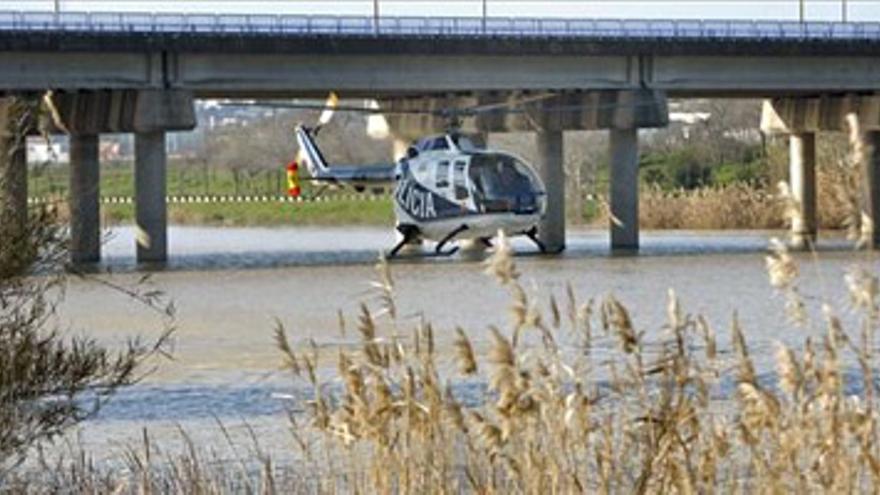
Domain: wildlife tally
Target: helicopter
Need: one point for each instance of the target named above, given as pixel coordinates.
(446, 189)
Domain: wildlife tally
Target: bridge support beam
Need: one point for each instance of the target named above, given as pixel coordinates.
(624, 189)
(85, 222)
(802, 176)
(551, 230)
(13, 186)
(871, 194)
(150, 206)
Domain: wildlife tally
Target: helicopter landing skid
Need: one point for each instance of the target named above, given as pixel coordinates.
(450, 236)
(532, 234)
(410, 233)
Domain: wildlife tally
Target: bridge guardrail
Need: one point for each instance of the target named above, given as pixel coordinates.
(257, 24)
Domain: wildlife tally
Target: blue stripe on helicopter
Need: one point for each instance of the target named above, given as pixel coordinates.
(424, 205)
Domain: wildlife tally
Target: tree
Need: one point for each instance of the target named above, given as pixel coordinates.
(48, 382)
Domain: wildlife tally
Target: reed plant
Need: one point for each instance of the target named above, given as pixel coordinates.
(572, 396)
(576, 398)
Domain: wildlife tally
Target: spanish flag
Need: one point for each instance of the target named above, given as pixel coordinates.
(293, 189)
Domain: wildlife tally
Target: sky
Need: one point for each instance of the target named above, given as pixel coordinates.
(815, 10)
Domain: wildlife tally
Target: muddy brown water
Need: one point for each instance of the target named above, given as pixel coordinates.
(231, 285)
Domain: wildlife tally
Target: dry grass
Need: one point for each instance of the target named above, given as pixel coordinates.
(744, 206)
(571, 397)
(728, 207)
(839, 181)
(578, 400)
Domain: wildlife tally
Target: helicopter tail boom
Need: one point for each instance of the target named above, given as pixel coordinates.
(311, 154)
(354, 175)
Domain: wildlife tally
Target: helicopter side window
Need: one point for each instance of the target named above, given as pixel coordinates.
(441, 181)
(440, 144)
(458, 180)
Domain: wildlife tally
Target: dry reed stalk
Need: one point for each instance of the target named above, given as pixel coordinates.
(682, 415)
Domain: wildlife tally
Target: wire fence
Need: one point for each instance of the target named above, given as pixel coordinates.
(182, 181)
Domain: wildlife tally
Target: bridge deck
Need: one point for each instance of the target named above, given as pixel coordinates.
(491, 27)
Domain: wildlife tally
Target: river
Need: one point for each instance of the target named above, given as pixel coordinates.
(230, 285)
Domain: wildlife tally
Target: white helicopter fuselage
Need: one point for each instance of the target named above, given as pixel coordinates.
(438, 196)
(446, 189)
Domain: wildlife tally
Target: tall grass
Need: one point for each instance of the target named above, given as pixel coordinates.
(748, 206)
(570, 397)
(737, 206)
(577, 399)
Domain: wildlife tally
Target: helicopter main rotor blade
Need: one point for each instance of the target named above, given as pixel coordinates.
(503, 105)
(324, 108)
(327, 114)
(582, 107)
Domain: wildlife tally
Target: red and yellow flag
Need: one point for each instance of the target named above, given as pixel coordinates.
(293, 188)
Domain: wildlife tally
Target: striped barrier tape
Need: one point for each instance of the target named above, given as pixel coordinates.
(207, 199)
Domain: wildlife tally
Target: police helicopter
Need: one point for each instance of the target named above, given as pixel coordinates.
(447, 187)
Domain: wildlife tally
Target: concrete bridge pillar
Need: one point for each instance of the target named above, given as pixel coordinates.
(624, 189)
(802, 176)
(871, 183)
(150, 207)
(85, 222)
(551, 230)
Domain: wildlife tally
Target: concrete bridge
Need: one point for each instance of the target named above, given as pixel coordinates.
(139, 73)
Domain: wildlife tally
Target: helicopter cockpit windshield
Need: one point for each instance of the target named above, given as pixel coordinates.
(504, 184)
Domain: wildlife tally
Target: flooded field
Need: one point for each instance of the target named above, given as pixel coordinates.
(230, 286)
